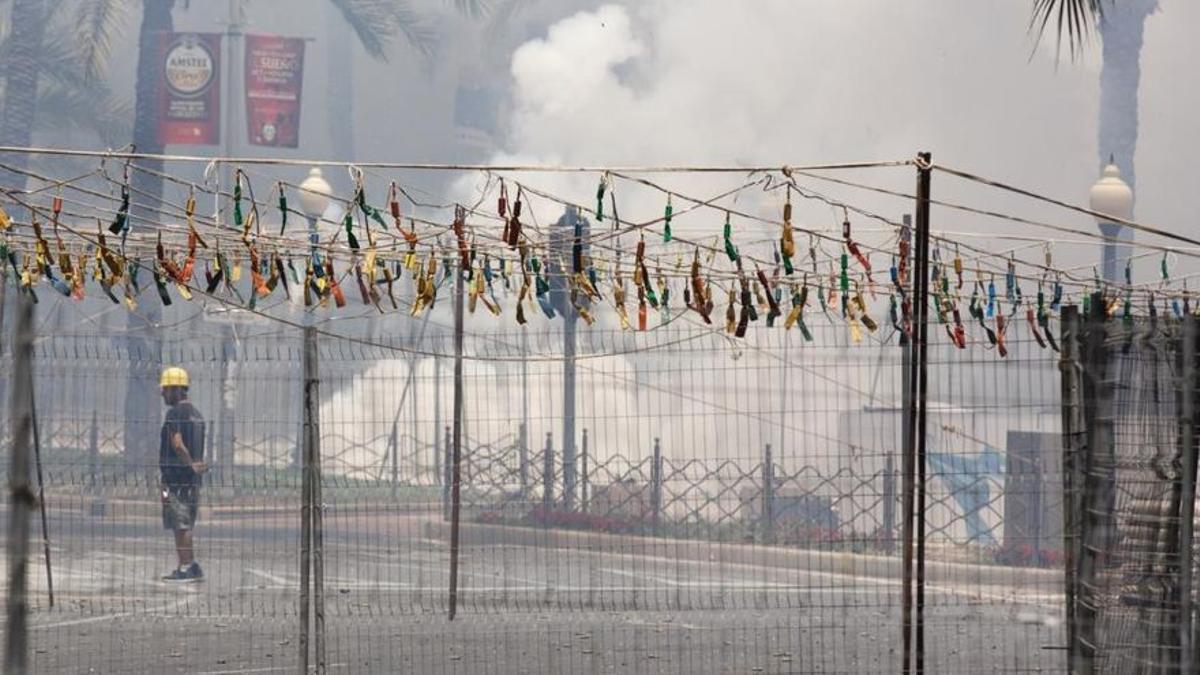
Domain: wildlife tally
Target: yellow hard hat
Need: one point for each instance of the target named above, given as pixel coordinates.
(173, 377)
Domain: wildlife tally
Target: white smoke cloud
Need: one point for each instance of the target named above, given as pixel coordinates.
(784, 81)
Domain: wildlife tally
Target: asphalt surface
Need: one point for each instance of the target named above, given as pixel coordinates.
(520, 609)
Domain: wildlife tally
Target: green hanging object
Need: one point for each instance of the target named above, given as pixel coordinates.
(600, 201)
(844, 279)
(1163, 265)
(237, 202)
(283, 210)
(730, 249)
(348, 222)
(787, 264)
(1087, 304)
(667, 213)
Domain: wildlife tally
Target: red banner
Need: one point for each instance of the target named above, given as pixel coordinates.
(189, 109)
(274, 78)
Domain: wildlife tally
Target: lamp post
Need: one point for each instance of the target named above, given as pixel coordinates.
(1112, 196)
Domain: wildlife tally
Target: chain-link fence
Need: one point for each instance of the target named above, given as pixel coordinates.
(724, 505)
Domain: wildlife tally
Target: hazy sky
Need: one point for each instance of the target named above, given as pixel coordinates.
(772, 82)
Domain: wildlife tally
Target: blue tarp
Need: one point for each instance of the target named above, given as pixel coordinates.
(966, 476)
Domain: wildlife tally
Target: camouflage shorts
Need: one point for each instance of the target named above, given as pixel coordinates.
(180, 506)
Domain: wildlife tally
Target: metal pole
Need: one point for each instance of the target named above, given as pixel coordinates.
(568, 450)
(548, 478)
(923, 184)
(446, 463)
(37, 454)
(583, 454)
(16, 647)
(768, 496)
(914, 455)
(523, 459)
(312, 399)
(456, 475)
(656, 479)
(437, 420)
(394, 439)
(1070, 368)
(1187, 439)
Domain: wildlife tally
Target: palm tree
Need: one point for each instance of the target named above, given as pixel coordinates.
(1121, 25)
(375, 23)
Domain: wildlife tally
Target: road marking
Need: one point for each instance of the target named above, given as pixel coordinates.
(167, 608)
(269, 669)
(271, 577)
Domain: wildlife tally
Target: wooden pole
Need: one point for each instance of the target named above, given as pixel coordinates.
(21, 498)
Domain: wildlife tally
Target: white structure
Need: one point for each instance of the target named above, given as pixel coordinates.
(1111, 195)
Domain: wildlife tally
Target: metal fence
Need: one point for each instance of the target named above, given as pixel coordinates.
(724, 505)
(1129, 388)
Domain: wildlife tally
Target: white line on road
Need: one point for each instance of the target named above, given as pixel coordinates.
(269, 669)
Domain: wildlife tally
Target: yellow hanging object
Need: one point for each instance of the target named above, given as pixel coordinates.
(473, 295)
(619, 299)
(5, 221)
(235, 274)
(855, 331)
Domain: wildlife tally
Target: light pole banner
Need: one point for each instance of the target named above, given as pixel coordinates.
(274, 79)
(189, 97)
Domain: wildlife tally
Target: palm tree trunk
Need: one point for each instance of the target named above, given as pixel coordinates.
(1122, 32)
(28, 21)
(144, 340)
(156, 20)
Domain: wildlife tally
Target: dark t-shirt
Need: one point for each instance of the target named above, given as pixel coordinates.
(182, 418)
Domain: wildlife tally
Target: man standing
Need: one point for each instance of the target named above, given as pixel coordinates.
(181, 462)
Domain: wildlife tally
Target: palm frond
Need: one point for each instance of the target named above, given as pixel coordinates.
(377, 22)
(471, 8)
(1073, 19)
(62, 108)
(500, 20)
(97, 25)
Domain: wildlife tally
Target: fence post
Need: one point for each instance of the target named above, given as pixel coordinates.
(312, 536)
(523, 459)
(583, 456)
(1098, 465)
(656, 485)
(447, 449)
(1070, 368)
(548, 478)
(98, 505)
(768, 497)
(394, 440)
(889, 504)
(21, 497)
(1187, 502)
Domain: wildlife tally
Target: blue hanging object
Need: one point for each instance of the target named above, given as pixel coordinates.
(991, 307)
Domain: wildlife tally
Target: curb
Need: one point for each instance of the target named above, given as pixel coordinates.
(850, 564)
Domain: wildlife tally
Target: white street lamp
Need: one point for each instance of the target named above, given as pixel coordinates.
(1111, 196)
(315, 195)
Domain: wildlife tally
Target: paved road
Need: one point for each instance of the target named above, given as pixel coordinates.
(521, 608)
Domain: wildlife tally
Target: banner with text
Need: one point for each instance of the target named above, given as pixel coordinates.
(189, 101)
(274, 79)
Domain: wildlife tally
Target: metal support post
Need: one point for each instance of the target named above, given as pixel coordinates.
(456, 459)
(583, 456)
(656, 486)
(768, 496)
(548, 477)
(914, 451)
(21, 497)
(1187, 441)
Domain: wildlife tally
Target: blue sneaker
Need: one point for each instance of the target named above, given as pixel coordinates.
(186, 575)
